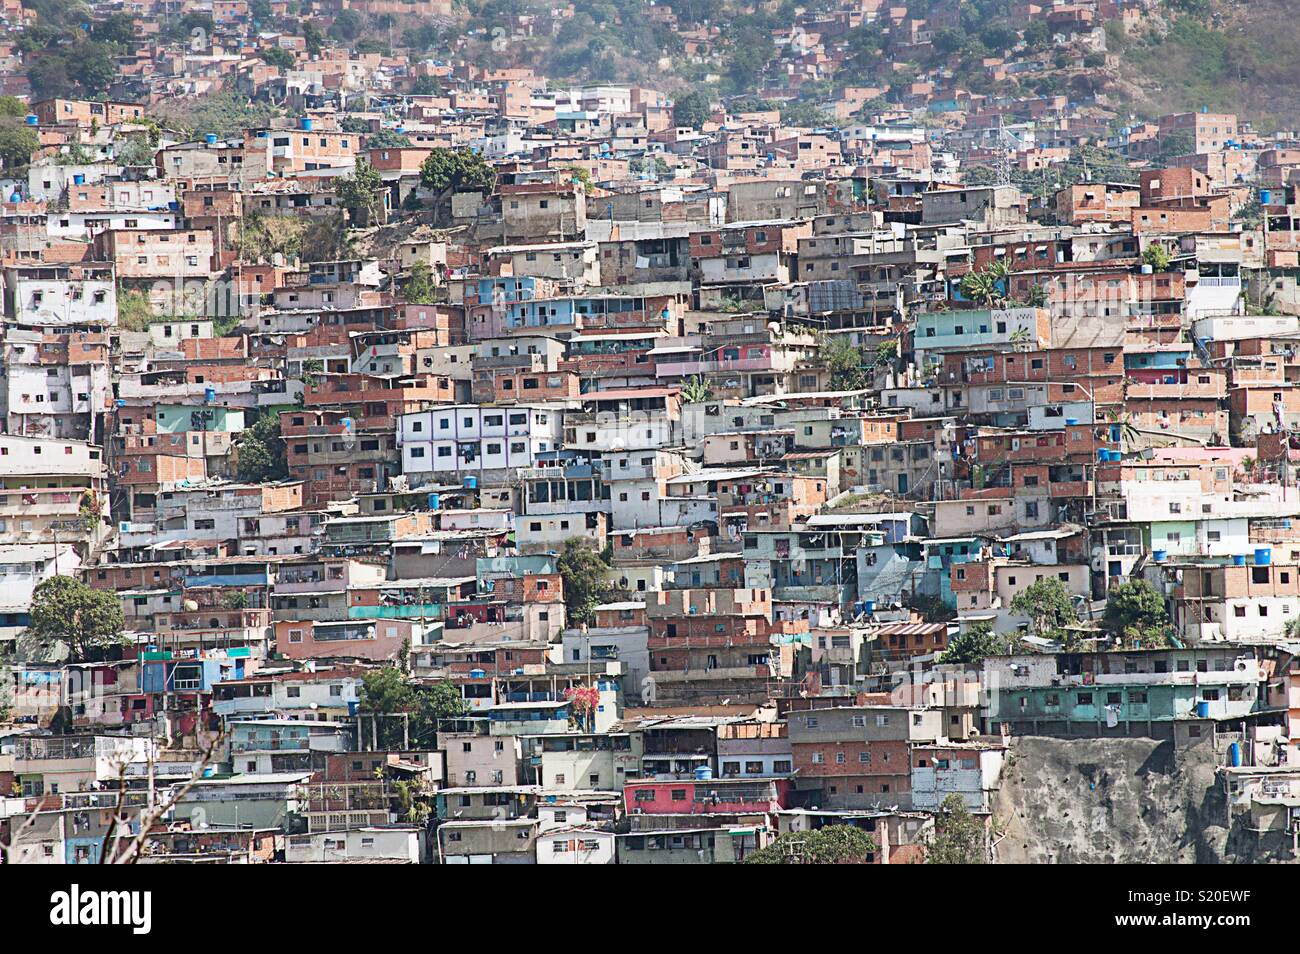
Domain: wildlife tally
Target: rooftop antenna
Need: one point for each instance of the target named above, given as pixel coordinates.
(1002, 167)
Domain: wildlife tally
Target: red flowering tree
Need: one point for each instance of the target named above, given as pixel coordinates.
(582, 702)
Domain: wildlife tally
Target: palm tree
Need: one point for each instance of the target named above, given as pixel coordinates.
(988, 285)
(978, 287)
(1000, 279)
(1128, 434)
(695, 390)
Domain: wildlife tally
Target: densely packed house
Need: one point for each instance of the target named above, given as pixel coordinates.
(465, 466)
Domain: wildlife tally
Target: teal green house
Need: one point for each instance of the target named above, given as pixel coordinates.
(178, 418)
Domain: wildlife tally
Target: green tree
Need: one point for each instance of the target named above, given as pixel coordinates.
(695, 390)
(135, 151)
(1037, 33)
(387, 139)
(260, 452)
(361, 193)
(887, 352)
(134, 313)
(347, 26)
(1036, 296)
(583, 573)
(948, 40)
(95, 67)
(67, 612)
(986, 286)
(17, 143)
(278, 56)
(235, 600)
(460, 170)
(1157, 256)
(388, 692)
(1136, 613)
(832, 845)
(448, 171)
(1135, 602)
(313, 37)
(426, 86)
(845, 361)
(1048, 605)
(312, 369)
(959, 837)
(1178, 143)
(978, 286)
(325, 239)
(692, 109)
(49, 77)
(223, 114)
(978, 641)
(420, 288)
(803, 113)
(183, 27)
(582, 176)
(115, 28)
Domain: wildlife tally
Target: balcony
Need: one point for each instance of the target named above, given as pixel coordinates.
(41, 502)
(689, 368)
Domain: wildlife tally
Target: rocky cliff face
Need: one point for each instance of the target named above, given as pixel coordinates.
(1117, 801)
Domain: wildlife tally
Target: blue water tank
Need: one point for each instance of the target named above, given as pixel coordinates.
(477, 674)
(434, 500)
(210, 139)
(1103, 455)
(401, 129)
(703, 773)
(1202, 710)
(209, 394)
(1239, 559)
(1159, 555)
(471, 483)
(1263, 556)
(32, 120)
(1265, 197)
(78, 179)
(1234, 754)
(1071, 421)
(1116, 456)
(16, 197)
(869, 606)
(305, 123)
(1116, 432)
